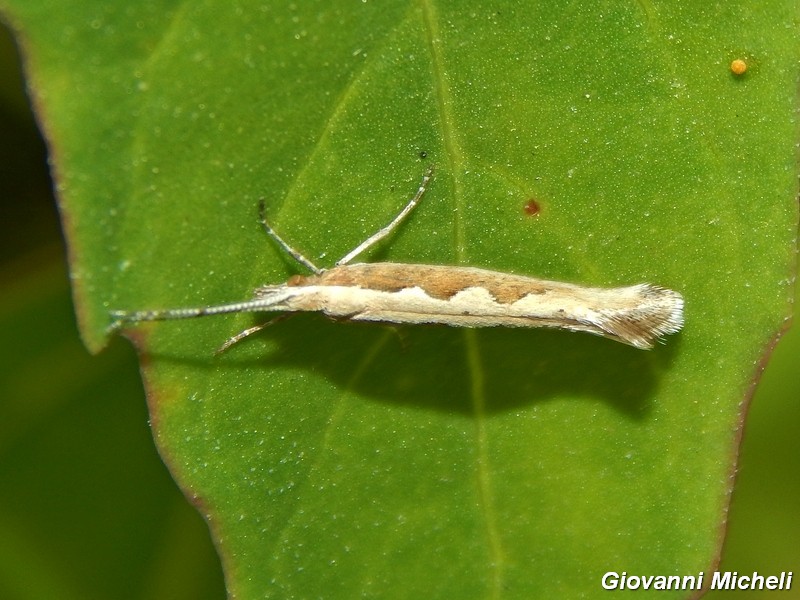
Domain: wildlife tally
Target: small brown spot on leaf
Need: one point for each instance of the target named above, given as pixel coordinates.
(532, 207)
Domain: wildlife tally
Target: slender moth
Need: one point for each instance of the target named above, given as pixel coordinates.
(457, 296)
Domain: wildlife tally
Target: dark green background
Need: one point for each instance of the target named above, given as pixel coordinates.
(87, 508)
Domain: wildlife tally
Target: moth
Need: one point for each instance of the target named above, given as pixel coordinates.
(458, 296)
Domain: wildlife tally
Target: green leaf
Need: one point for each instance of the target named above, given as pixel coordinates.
(336, 460)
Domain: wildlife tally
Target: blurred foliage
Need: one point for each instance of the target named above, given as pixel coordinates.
(764, 524)
(87, 508)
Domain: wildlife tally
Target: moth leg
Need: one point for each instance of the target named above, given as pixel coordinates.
(377, 237)
(286, 247)
(250, 331)
(402, 336)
